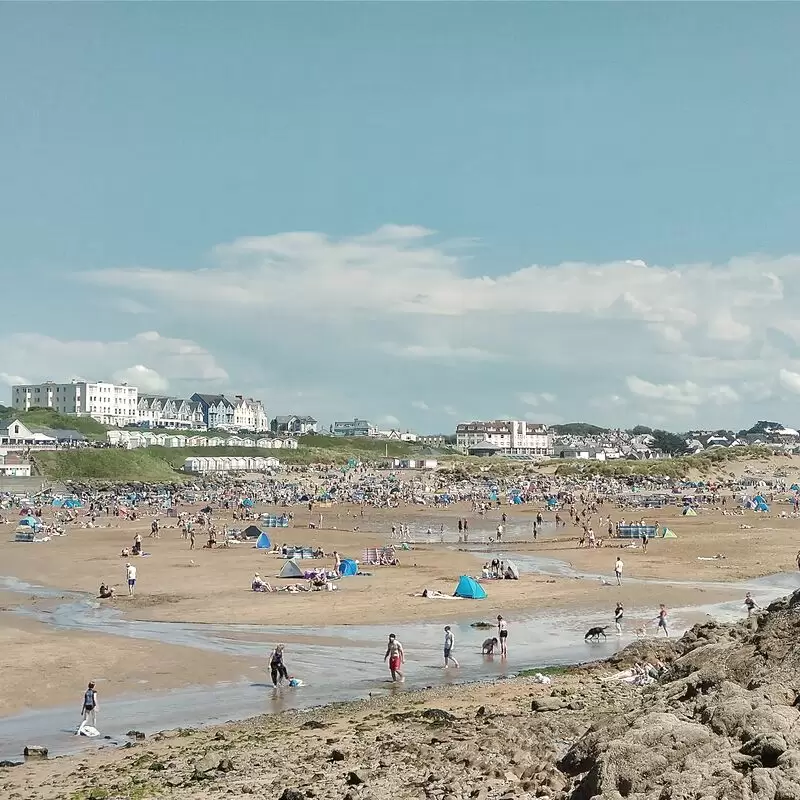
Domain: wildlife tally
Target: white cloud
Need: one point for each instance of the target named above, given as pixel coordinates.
(535, 400)
(169, 361)
(146, 379)
(440, 352)
(11, 380)
(790, 380)
(450, 411)
(684, 394)
(725, 328)
(420, 405)
(705, 334)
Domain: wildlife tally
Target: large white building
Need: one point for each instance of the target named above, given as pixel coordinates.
(109, 403)
(509, 436)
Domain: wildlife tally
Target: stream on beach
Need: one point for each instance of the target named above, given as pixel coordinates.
(336, 663)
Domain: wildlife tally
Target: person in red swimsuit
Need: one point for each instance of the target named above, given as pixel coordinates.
(396, 658)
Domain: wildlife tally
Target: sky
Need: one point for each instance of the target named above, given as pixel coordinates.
(418, 213)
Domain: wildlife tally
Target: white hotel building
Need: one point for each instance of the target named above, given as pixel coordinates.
(510, 437)
(109, 403)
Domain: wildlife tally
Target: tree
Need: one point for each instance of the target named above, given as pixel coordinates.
(640, 430)
(670, 443)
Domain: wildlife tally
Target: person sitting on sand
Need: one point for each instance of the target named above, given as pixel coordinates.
(259, 584)
(125, 553)
(488, 646)
(106, 592)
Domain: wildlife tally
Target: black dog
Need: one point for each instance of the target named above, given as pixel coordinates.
(594, 634)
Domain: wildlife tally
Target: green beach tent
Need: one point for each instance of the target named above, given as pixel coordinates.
(668, 534)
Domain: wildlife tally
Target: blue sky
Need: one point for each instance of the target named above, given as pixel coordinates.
(414, 212)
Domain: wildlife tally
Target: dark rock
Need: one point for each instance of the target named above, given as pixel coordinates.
(138, 735)
(337, 755)
(292, 794)
(314, 725)
(547, 704)
(157, 766)
(35, 751)
(10, 763)
(225, 765)
(438, 716)
(768, 748)
(354, 779)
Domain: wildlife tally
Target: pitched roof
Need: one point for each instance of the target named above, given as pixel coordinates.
(212, 399)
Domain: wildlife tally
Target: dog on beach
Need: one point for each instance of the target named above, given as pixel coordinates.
(594, 634)
(488, 646)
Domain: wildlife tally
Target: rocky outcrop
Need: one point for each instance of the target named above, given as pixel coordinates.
(723, 723)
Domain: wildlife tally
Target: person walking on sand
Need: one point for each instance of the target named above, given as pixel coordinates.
(130, 574)
(396, 658)
(797, 559)
(618, 567)
(662, 619)
(502, 634)
(89, 707)
(449, 642)
(619, 611)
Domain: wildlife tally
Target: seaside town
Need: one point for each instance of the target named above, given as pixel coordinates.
(492, 557)
(399, 401)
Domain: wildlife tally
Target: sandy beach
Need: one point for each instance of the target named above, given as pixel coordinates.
(178, 585)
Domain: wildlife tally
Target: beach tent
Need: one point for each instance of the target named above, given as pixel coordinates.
(552, 502)
(71, 502)
(247, 503)
(290, 570)
(794, 488)
(513, 569)
(668, 534)
(689, 512)
(516, 499)
(263, 542)
(760, 503)
(30, 522)
(469, 588)
(252, 532)
(348, 567)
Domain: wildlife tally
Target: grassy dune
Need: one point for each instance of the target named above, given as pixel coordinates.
(162, 464)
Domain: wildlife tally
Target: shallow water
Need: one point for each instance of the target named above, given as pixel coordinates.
(338, 663)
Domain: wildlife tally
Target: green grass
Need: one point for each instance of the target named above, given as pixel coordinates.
(163, 464)
(670, 467)
(94, 464)
(47, 418)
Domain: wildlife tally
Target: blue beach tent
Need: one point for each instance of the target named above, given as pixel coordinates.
(469, 588)
(263, 542)
(760, 503)
(348, 567)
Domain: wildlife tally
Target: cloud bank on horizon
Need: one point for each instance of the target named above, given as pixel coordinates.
(397, 326)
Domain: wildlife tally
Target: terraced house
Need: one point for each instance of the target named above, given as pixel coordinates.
(172, 413)
(239, 413)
